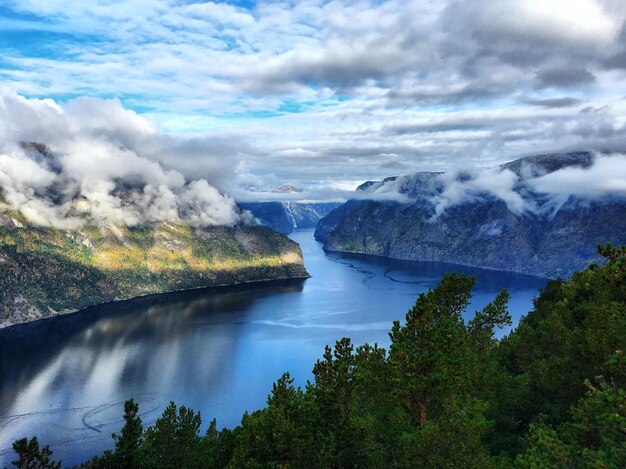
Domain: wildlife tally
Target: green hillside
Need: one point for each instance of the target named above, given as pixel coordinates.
(46, 271)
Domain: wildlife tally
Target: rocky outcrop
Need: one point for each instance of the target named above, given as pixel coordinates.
(553, 237)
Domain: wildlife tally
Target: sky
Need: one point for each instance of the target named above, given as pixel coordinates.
(322, 95)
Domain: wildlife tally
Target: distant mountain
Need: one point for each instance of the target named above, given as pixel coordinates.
(284, 217)
(502, 219)
(287, 189)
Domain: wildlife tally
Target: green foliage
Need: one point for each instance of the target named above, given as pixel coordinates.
(429, 353)
(174, 440)
(456, 439)
(595, 437)
(31, 457)
(544, 449)
(569, 336)
(446, 394)
(217, 447)
(128, 441)
(48, 270)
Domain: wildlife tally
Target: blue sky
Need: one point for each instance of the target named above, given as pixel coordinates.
(327, 94)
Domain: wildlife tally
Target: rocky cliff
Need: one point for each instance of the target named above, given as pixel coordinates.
(498, 219)
(284, 217)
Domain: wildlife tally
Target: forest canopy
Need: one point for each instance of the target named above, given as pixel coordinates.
(446, 393)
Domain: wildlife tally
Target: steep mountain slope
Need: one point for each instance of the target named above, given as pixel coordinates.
(80, 237)
(45, 271)
(471, 219)
(284, 217)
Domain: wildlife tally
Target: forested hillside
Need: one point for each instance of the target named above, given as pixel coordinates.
(47, 271)
(445, 394)
(66, 243)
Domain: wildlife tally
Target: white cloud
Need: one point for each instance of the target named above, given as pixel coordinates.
(607, 176)
(91, 172)
(303, 90)
(473, 185)
(581, 21)
(533, 188)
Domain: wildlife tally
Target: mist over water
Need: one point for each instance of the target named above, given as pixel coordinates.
(217, 351)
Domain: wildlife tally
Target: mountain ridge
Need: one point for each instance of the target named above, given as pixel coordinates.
(49, 266)
(48, 271)
(549, 236)
(285, 217)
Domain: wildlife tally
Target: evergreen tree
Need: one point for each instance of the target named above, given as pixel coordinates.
(173, 440)
(568, 337)
(339, 436)
(380, 420)
(275, 436)
(594, 437)
(31, 457)
(428, 354)
(128, 441)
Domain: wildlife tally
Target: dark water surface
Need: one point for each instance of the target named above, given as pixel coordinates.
(217, 351)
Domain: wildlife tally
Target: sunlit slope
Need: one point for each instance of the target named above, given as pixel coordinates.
(45, 271)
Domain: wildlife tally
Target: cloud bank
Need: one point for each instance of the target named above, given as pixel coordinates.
(83, 163)
(329, 93)
(532, 186)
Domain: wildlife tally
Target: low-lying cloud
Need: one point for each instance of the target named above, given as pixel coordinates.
(81, 163)
(605, 177)
(528, 187)
(469, 186)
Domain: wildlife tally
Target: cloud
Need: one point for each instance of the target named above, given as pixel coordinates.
(616, 61)
(564, 77)
(466, 186)
(339, 65)
(455, 92)
(441, 125)
(539, 185)
(581, 22)
(320, 194)
(565, 101)
(299, 91)
(87, 168)
(605, 177)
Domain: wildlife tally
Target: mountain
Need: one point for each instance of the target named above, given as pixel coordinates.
(503, 218)
(46, 271)
(284, 217)
(286, 189)
(79, 242)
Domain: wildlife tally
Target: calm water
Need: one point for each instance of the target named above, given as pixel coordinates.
(65, 379)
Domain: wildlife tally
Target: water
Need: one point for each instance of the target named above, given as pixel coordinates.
(65, 379)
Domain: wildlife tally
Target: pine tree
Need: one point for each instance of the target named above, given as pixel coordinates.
(31, 457)
(428, 354)
(173, 440)
(128, 441)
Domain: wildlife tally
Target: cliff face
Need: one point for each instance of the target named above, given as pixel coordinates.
(284, 217)
(483, 231)
(46, 271)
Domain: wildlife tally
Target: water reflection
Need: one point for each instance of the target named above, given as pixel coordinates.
(66, 379)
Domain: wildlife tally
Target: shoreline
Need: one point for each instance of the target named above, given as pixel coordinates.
(148, 297)
(471, 266)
